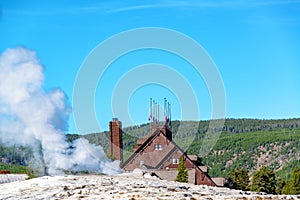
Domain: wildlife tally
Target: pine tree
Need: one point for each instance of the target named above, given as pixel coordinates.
(238, 179)
(286, 189)
(182, 175)
(295, 182)
(292, 185)
(264, 181)
(280, 185)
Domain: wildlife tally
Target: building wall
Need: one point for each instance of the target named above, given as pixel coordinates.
(149, 156)
(220, 181)
(199, 177)
(150, 159)
(177, 154)
(171, 175)
(203, 179)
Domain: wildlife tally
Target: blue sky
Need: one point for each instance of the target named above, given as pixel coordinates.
(254, 44)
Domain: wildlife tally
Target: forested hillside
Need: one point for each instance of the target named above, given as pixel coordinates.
(243, 144)
(250, 144)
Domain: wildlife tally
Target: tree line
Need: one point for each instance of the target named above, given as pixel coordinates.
(264, 180)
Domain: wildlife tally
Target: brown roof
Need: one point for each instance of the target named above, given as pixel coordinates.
(165, 158)
(155, 133)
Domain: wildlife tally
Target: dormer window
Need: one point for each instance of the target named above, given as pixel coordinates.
(157, 147)
(175, 161)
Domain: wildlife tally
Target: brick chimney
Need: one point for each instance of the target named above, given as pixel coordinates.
(168, 132)
(116, 145)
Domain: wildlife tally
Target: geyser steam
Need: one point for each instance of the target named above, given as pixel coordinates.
(30, 116)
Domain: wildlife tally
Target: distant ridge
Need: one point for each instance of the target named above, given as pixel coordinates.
(244, 143)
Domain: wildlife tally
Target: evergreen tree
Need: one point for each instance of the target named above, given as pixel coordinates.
(264, 181)
(294, 185)
(238, 179)
(182, 175)
(280, 185)
(286, 188)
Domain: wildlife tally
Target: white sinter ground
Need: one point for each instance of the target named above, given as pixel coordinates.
(135, 185)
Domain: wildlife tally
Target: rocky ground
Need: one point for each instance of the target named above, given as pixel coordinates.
(7, 178)
(132, 186)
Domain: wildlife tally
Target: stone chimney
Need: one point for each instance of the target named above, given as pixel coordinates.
(116, 144)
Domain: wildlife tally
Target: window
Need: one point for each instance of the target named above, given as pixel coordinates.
(157, 147)
(175, 160)
(141, 163)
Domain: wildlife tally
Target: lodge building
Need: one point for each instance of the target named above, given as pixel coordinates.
(159, 155)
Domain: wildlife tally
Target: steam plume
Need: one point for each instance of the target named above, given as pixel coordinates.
(29, 116)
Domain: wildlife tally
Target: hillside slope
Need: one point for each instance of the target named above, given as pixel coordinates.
(243, 143)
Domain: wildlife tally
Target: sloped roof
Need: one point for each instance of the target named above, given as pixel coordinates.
(134, 154)
(147, 141)
(172, 151)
